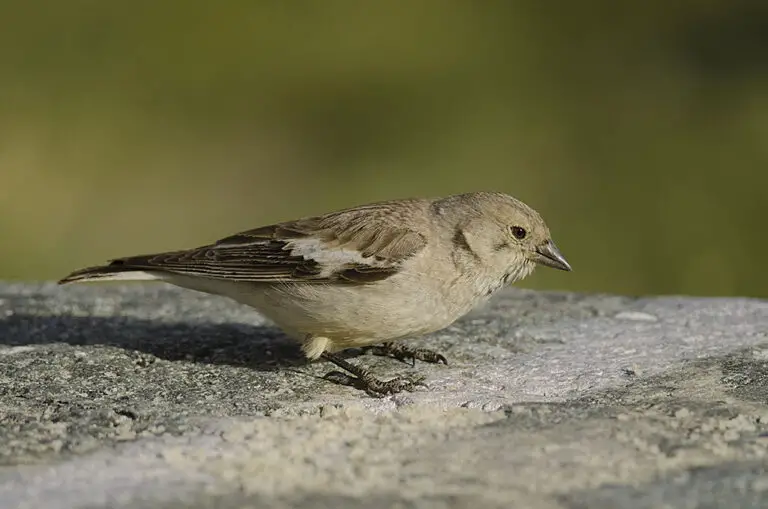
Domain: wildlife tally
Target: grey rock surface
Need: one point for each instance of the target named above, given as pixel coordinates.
(151, 396)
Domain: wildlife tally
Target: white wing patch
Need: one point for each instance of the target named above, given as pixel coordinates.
(333, 259)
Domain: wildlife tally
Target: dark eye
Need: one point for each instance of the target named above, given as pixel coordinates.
(519, 232)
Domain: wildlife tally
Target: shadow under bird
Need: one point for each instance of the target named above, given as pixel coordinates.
(366, 276)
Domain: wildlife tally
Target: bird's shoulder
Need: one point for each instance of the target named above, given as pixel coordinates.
(384, 231)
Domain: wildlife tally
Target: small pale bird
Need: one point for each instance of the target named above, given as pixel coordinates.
(365, 276)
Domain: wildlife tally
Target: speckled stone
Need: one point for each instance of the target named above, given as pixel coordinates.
(145, 395)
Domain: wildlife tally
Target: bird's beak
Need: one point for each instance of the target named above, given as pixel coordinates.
(548, 254)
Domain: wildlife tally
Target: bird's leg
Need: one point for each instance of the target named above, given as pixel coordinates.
(366, 381)
(404, 353)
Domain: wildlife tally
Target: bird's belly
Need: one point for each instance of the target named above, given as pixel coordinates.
(350, 316)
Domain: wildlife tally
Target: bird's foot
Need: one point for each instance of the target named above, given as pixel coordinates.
(375, 387)
(405, 353)
(364, 380)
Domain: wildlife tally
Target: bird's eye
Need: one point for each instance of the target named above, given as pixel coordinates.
(519, 232)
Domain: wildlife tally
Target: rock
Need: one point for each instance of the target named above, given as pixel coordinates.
(152, 396)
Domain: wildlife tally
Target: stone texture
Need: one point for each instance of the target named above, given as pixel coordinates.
(151, 396)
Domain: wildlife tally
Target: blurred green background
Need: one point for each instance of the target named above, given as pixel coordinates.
(638, 129)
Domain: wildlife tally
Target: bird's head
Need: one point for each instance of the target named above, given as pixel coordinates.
(505, 234)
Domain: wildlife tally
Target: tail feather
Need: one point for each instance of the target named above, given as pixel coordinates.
(111, 272)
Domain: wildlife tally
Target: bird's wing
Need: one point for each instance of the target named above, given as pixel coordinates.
(360, 245)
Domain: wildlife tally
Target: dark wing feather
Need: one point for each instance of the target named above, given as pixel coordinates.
(358, 245)
(266, 261)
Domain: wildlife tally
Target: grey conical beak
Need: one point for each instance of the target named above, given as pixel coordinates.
(548, 254)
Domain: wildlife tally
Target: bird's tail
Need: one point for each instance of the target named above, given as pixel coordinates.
(111, 272)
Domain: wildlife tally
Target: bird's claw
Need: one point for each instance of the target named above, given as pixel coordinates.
(340, 378)
(404, 354)
(375, 387)
(379, 388)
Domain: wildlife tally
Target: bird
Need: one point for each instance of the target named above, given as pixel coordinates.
(367, 276)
